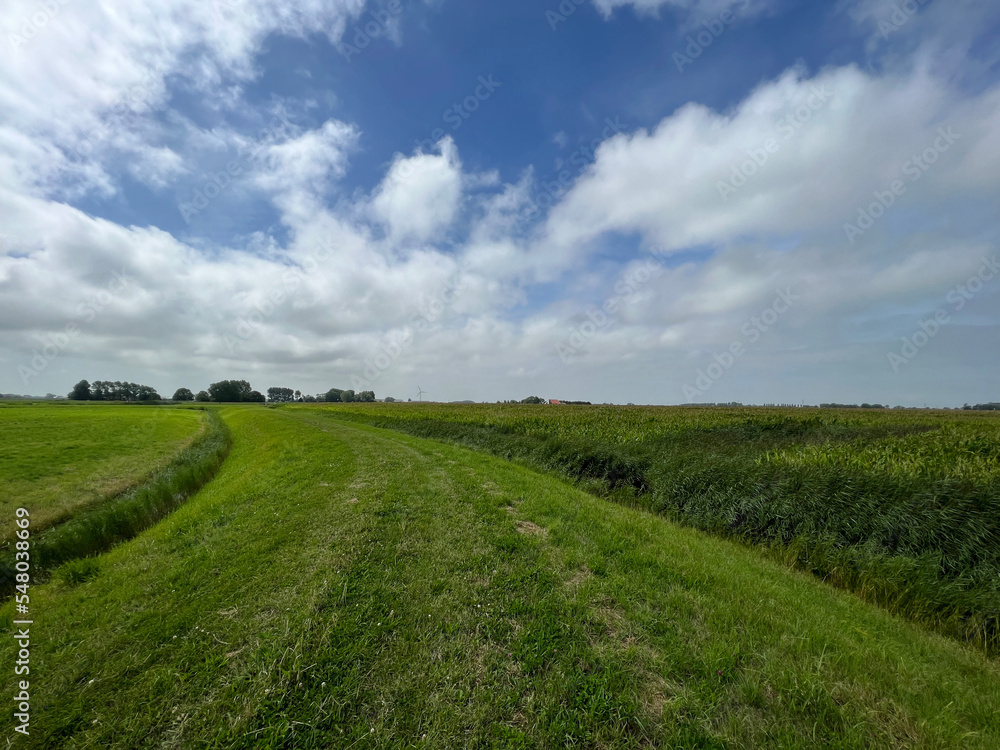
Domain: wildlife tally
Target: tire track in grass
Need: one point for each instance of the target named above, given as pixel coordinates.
(449, 623)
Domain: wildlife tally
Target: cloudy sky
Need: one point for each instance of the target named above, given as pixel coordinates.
(655, 201)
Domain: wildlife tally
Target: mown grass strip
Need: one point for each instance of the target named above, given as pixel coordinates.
(125, 515)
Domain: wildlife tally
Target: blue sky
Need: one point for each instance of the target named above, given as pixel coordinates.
(611, 216)
(562, 82)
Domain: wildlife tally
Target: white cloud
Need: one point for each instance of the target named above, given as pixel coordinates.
(942, 35)
(420, 196)
(157, 166)
(298, 171)
(309, 161)
(823, 146)
(102, 68)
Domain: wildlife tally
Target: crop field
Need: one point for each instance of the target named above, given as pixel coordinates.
(513, 577)
(59, 458)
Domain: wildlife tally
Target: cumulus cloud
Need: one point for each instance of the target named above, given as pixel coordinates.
(298, 171)
(799, 153)
(103, 67)
(420, 195)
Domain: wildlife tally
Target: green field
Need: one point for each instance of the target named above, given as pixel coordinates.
(902, 507)
(338, 584)
(59, 459)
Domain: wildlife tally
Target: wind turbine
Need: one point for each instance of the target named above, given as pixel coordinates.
(420, 393)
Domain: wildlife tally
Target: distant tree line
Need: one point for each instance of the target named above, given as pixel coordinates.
(224, 391)
(282, 395)
(992, 406)
(335, 396)
(108, 390)
(540, 400)
(234, 392)
(852, 406)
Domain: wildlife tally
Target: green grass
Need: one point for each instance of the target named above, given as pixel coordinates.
(99, 528)
(902, 508)
(58, 459)
(341, 586)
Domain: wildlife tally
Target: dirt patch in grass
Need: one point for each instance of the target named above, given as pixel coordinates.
(579, 577)
(529, 529)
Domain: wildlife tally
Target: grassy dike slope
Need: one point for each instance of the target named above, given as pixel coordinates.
(340, 586)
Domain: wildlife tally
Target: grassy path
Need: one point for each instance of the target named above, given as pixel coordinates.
(341, 586)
